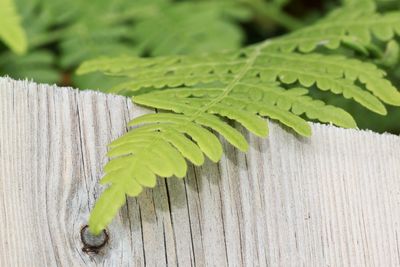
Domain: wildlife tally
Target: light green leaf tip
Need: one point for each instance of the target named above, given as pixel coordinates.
(11, 31)
(106, 208)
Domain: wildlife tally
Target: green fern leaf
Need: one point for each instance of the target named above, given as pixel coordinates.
(11, 31)
(272, 79)
(355, 24)
(334, 73)
(105, 209)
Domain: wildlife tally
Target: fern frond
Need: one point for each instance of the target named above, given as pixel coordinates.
(11, 32)
(327, 72)
(200, 93)
(353, 24)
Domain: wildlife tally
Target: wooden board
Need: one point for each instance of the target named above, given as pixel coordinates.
(331, 200)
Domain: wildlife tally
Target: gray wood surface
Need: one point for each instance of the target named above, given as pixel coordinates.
(331, 200)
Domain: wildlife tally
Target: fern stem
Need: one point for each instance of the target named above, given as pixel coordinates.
(235, 81)
(268, 11)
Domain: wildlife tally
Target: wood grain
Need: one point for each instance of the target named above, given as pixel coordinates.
(331, 200)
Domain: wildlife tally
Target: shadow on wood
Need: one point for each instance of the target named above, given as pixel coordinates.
(331, 200)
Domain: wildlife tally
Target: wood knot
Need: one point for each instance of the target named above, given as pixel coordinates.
(93, 243)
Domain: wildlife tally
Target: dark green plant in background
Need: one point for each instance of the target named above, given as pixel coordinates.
(204, 64)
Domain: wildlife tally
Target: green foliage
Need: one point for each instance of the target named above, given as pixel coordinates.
(69, 32)
(153, 27)
(11, 32)
(38, 63)
(199, 93)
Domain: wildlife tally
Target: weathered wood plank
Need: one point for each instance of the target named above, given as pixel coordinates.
(331, 200)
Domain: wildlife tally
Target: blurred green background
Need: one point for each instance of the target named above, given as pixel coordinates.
(62, 34)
